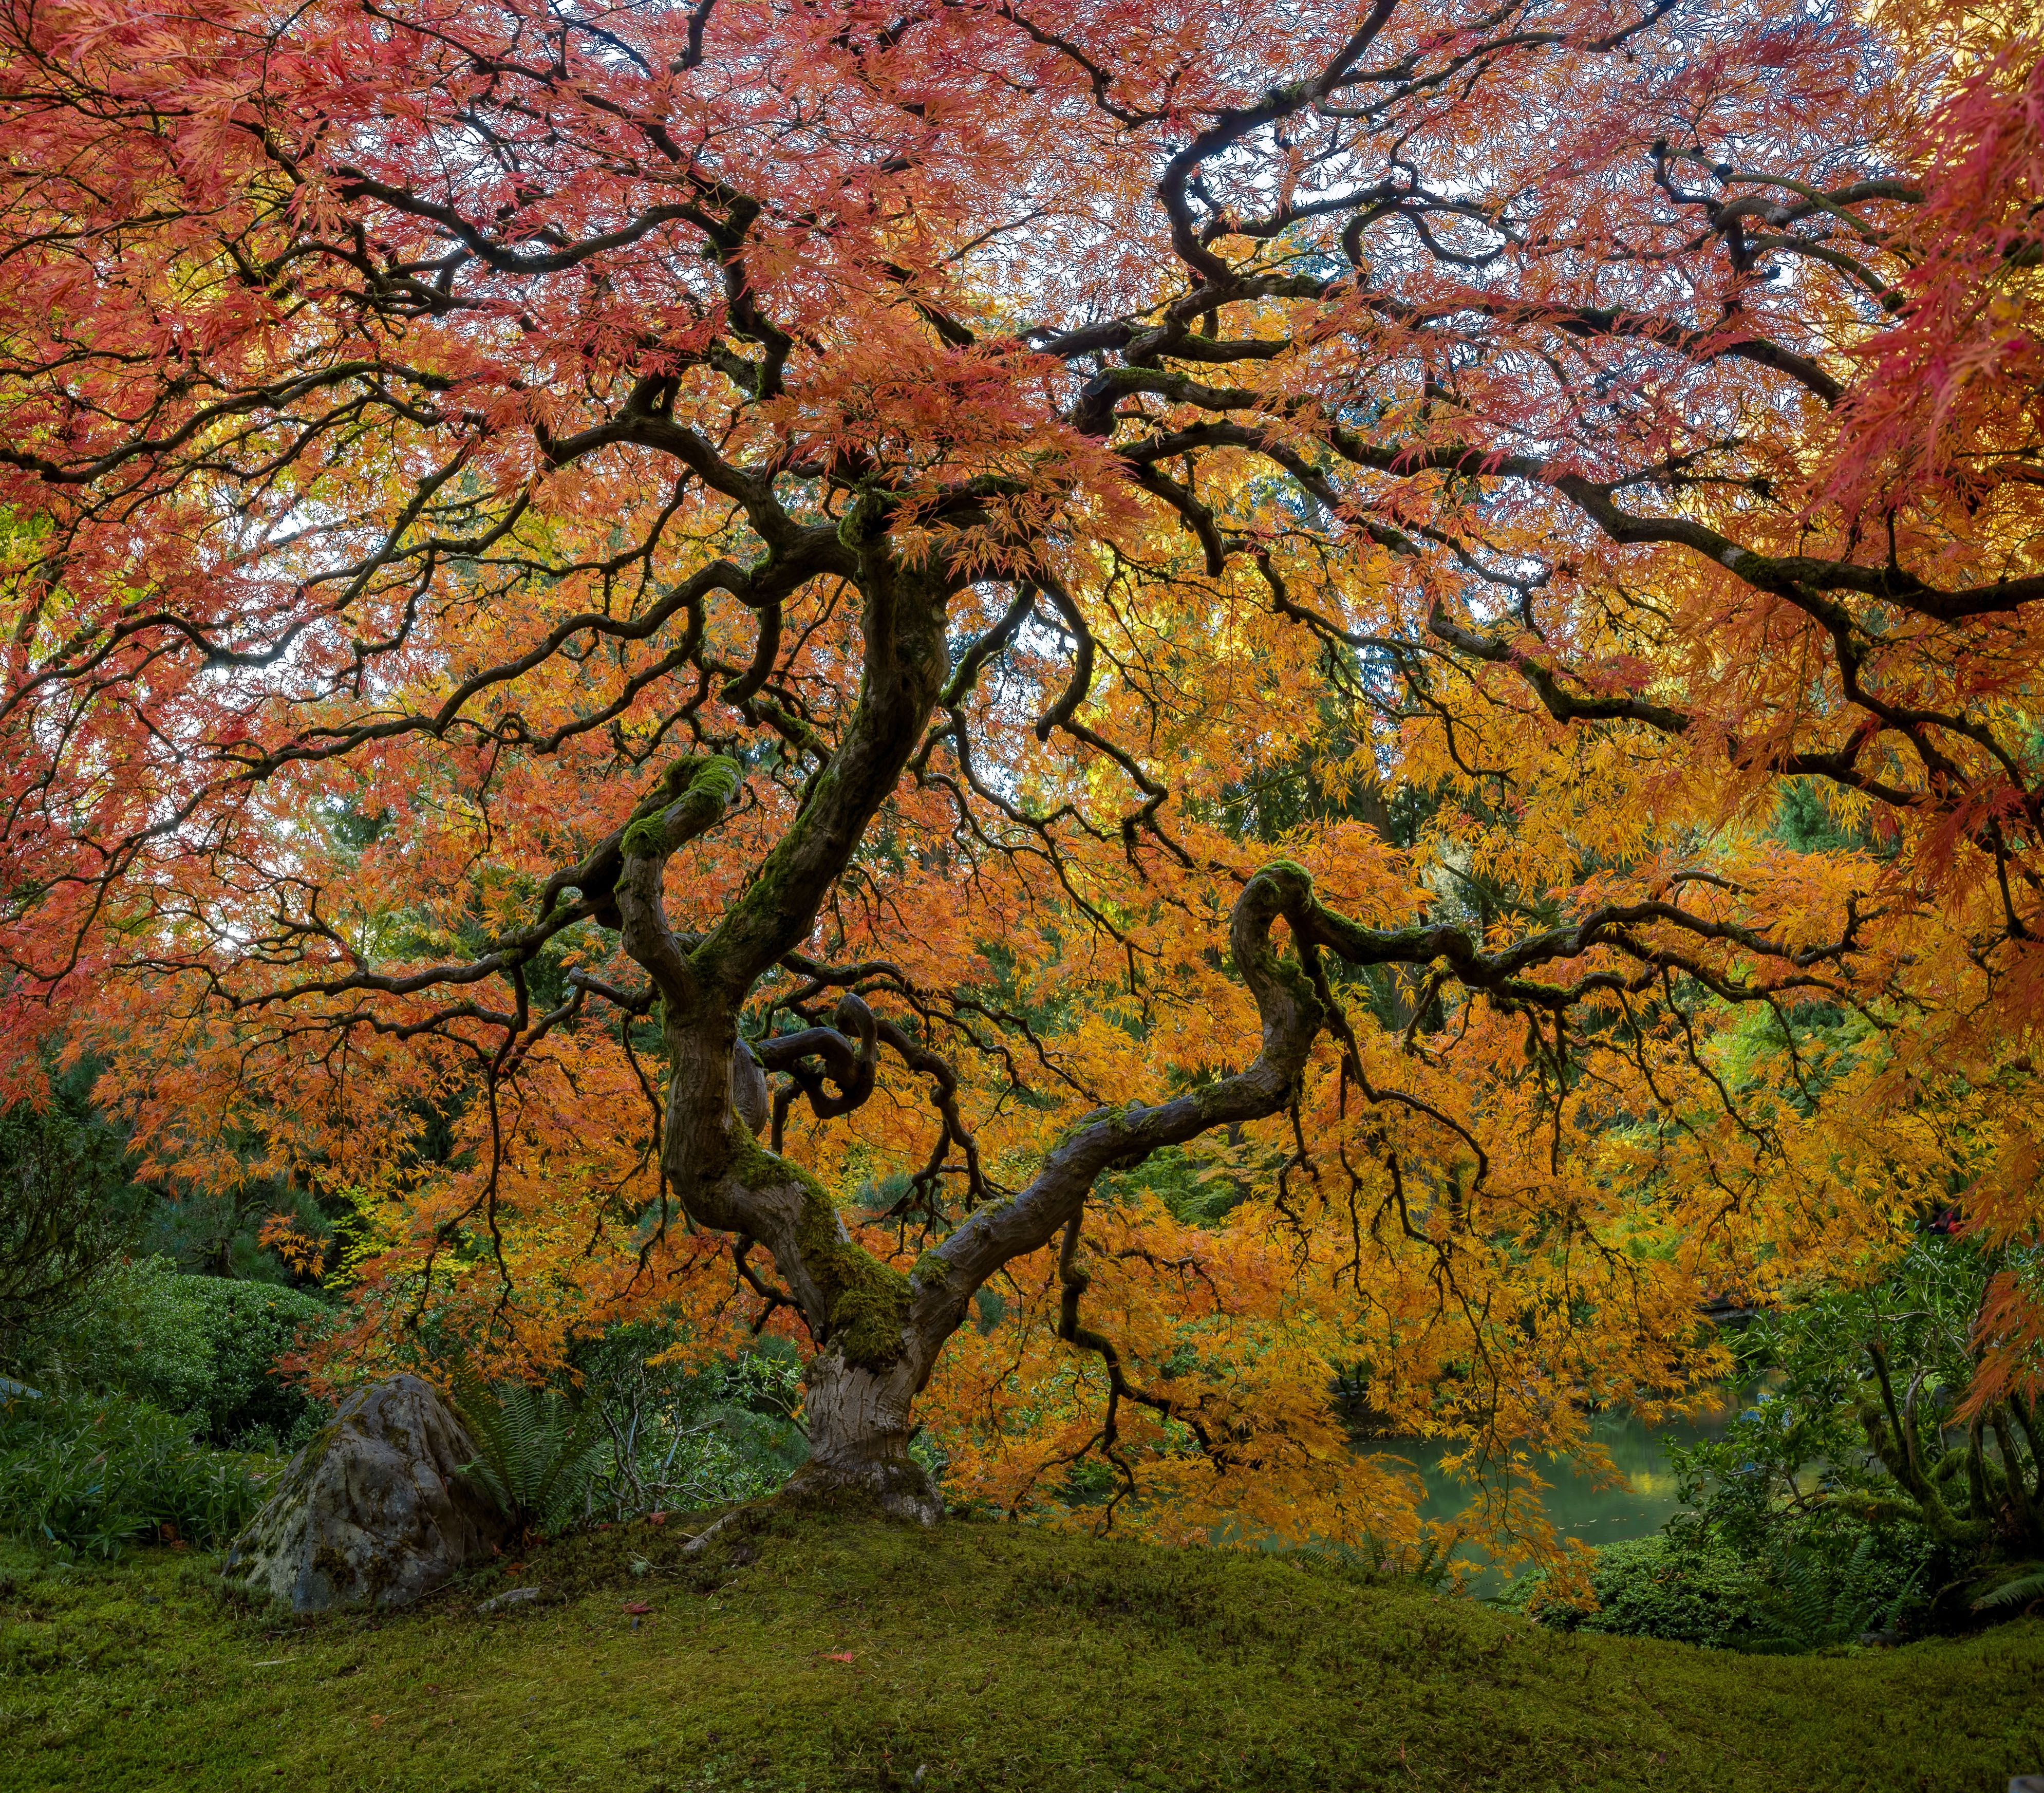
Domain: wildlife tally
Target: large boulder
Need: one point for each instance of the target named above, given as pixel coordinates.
(374, 1510)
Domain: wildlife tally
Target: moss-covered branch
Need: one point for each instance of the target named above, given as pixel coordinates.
(853, 1302)
(687, 800)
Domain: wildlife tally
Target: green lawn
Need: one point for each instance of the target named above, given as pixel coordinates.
(980, 1657)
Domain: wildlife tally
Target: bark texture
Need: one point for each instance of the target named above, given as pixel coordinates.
(859, 1430)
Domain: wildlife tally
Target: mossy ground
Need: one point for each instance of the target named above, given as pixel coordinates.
(980, 1656)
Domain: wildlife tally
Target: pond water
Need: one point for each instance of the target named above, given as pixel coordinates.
(1581, 1506)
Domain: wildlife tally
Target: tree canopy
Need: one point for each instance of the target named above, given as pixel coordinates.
(1149, 716)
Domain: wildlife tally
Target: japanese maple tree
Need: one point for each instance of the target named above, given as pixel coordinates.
(799, 664)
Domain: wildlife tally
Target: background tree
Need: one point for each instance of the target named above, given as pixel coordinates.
(576, 537)
(61, 1218)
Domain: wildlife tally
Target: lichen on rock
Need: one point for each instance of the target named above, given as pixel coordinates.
(374, 1510)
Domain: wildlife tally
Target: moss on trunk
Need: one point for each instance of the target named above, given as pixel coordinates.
(865, 1302)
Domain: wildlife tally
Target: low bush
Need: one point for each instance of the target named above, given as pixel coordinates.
(89, 1473)
(1856, 1482)
(1783, 1598)
(537, 1452)
(1652, 1587)
(1814, 1600)
(1856, 1493)
(200, 1345)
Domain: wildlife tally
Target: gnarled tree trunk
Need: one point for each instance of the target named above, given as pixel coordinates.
(879, 1330)
(859, 1428)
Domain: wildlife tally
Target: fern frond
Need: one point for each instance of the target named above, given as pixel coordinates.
(536, 1452)
(2018, 1591)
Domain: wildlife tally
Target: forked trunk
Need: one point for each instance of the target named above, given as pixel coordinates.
(858, 1426)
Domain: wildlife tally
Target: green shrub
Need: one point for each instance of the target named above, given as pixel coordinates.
(1783, 1599)
(91, 1472)
(1853, 1483)
(1653, 1588)
(200, 1345)
(718, 1456)
(1815, 1602)
(634, 1437)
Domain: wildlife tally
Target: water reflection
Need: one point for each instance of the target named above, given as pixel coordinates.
(1579, 1506)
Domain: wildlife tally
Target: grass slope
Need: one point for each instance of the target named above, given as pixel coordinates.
(980, 1657)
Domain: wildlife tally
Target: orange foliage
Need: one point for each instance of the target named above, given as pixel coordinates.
(1483, 458)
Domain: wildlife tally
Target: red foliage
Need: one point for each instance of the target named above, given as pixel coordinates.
(1060, 475)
